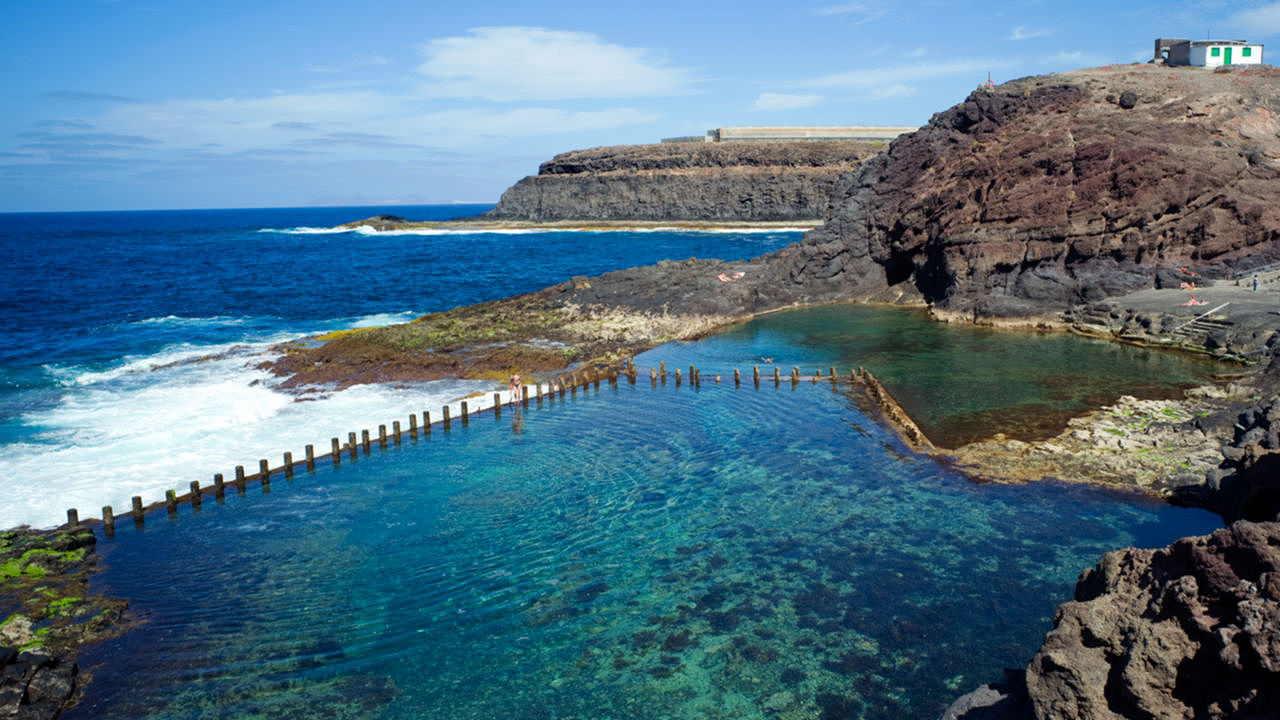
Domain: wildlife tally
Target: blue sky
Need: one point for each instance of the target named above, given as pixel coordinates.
(117, 104)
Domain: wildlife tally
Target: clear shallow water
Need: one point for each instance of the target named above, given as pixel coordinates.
(639, 553)
(960, 383)
(129, 340)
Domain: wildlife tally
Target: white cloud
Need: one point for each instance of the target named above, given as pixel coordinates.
(785, 101)
(375, 121)
(529, 63)
(1022, 33)
(1263, 20)
(889, 92)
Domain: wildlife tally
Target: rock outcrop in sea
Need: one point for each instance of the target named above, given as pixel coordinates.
(1187, 631)
(708, 182)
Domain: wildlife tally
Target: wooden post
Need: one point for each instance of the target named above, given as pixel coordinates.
(595, 378)
(795, 374)
(662, 368)
(463, 405)
(426, 422)
(817, 375)
(171, 501)
(395, 431)
(137, 510)
(264, 472)
(445, 421)
(677, 377)
(364, 440)
(562, 388)
(832, 372)
(382, 436)
(631, 374)
(196, 497)
(353, 445)
(497, 405)
(737, 378)
(653, 377)
(73, 517)
(336, 450)
(413, 422)
(755, 375)
(218, 488)
(777, 376)
(311, 458)
(108, 521)
(240, 475)
(524, 395)
(288, 464)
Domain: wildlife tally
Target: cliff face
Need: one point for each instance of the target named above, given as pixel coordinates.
(1063, 188)
(747, 181)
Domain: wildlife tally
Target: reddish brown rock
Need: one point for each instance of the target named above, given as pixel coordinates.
(1192, 630)
(1049, 190)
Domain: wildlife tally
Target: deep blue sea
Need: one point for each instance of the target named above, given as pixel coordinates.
(622, 552)
(128, 340)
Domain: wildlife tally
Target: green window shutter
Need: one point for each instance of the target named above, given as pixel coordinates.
(1215, 52)
(1246, 51)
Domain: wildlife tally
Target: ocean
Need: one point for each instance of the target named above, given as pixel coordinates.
(129, 340)
(625, 551)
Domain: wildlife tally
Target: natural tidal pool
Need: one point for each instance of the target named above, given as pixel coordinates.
(628, 552)
(959, 383)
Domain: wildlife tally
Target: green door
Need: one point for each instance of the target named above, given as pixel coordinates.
(1226, 56)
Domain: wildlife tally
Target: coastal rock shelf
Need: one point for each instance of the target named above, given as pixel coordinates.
(702, 182)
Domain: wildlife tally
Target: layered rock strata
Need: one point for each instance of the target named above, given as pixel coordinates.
(746, 181)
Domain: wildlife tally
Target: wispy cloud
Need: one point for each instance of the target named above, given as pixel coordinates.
(82, 142)
(859, 12)
(354, 63)
(1022, 33)
(1263, 20)
(91, 97)
(528, 63)
(785, 101)
(884, 77)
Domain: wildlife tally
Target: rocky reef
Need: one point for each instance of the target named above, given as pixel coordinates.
(49, 613)
(705, 182)
(1191, 630)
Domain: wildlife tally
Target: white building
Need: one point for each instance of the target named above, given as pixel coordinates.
(1207, 53)
(1216, 53)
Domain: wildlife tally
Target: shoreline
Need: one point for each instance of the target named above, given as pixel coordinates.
(391, 223)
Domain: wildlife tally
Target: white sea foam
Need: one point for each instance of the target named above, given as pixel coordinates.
(157, 423)
(306, 230)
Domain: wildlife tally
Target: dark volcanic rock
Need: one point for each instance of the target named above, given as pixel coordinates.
(1047, 191)
(741, 181)
(1192, 630)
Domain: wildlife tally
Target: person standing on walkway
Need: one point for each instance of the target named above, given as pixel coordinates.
(517, 390)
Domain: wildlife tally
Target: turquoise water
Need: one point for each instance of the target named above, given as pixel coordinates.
(626, 553)
(960, 383)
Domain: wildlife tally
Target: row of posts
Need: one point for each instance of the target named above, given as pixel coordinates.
(558, 386)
